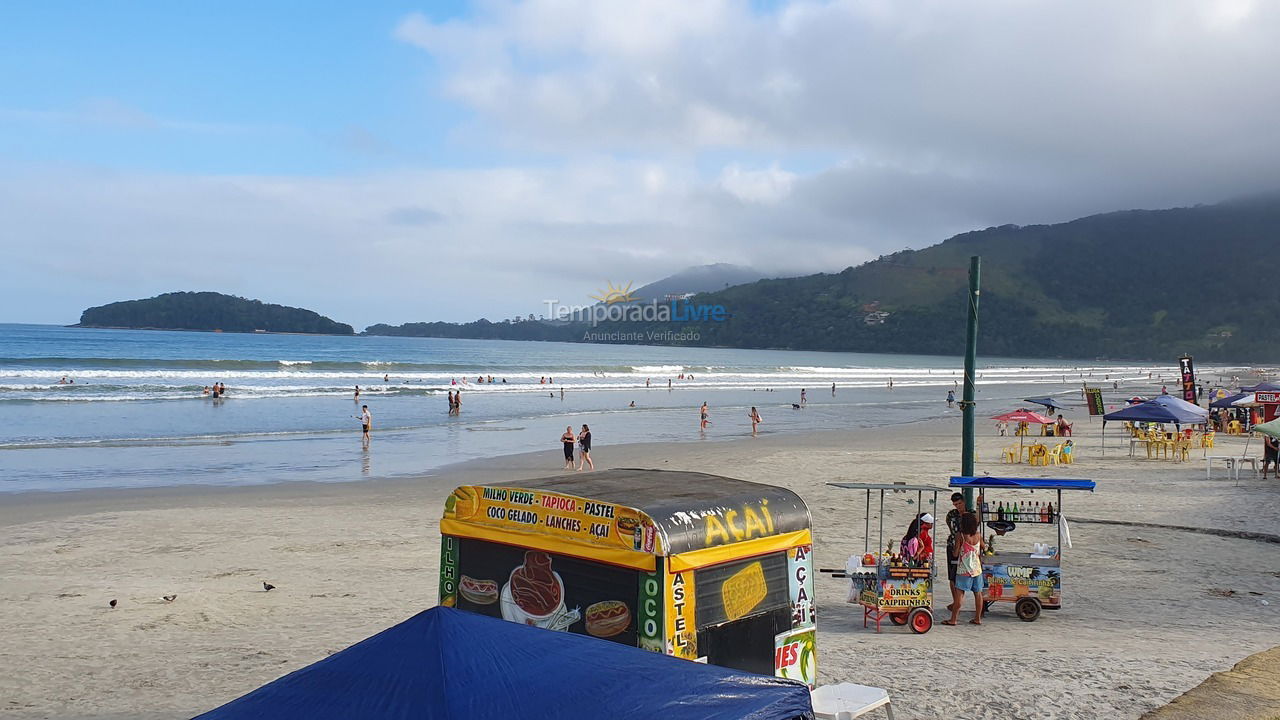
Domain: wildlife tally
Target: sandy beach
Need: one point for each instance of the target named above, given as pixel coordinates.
(1148, 612)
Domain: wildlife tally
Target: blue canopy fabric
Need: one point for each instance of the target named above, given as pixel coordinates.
(1045, 401)
(1263, 387)
(1165, 409)
(448, 664)
(1227, 401)
(1023, 483)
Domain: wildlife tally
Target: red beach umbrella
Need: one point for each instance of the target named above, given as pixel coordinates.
(1023, 416)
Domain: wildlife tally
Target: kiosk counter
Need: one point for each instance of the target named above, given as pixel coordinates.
(688, 564)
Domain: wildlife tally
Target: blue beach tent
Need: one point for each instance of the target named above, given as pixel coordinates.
(1164, 409)
(447, 664)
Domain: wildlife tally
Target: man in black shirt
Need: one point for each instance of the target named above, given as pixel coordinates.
(953, 543)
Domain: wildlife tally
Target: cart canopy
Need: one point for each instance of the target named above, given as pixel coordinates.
(443, 664)
(1023, 483)
(627, 510)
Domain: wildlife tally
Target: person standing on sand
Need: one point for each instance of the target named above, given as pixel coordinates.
(755, 420)
(457, 403)
(953, 546)
(668, 384)
(705, 415)
(951, 398)
(1270, 448)
(833, 389)
(584, 442)
(567, 440)
(366, 422)
(968, 570)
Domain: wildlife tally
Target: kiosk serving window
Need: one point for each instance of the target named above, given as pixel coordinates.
(735, 590)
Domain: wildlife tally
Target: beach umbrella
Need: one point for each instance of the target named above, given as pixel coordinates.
(1023, 416)
(1270, 429)
(1048, 402)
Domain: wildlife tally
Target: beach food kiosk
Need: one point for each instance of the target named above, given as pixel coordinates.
(1031, 581)
(889, 584)
(698, 566)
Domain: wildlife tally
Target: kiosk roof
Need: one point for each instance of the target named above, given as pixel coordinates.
(678, 501)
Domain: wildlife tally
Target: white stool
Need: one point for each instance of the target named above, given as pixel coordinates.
(847, 700)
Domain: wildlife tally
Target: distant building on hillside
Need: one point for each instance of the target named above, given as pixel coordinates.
(875, 318)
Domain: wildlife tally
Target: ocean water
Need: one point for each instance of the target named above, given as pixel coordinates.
(135, 416)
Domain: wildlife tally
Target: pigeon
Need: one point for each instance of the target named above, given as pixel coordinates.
(170, 598)
(268, 587)
(112, 603)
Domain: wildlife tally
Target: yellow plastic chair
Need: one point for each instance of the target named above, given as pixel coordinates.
(1039, 455)
(1206, 440)
(1068, 454)
(1009, 454)
(1234, 427)
(1055, 455)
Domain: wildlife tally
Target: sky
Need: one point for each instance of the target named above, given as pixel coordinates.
(399, 162)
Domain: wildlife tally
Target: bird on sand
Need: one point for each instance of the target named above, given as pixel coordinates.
(268, 587)
(170, 598)
(112, 603)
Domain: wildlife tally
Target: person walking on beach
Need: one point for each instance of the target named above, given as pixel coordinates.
(457, 403)
(357, 393)
(451, 402)
(705, 415)
(584, 442)
(366, 422)
(755, 420)
(833, 389)
(668, 384)
(951, 398)
(968, 570)
(803, 400)
(567, 439)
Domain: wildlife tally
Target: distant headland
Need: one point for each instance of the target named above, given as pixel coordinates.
(209, 311)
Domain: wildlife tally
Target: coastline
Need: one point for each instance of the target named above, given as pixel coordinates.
(1139, 626)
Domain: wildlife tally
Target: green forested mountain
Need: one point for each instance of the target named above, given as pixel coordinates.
(209, 311)
(1141, 284)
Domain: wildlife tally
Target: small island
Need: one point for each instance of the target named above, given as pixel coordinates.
(209, 311)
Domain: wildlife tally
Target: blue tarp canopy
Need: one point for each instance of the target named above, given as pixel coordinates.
(1023, 483)
(1164, 409)
(1228, 400)
(1045, 401)
(451, 664)
(1262, 387)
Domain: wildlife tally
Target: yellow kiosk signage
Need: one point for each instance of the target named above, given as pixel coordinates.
(687, 564)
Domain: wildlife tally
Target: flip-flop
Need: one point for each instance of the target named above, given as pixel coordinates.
(975, 622)
(948, 622)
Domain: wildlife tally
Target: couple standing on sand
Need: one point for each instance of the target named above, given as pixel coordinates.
(584, 440)
(964, 560)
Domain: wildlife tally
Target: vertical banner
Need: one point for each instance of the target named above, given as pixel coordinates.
(800, 583)
(682, 630)
(448, 571)
(1188, 371)
(649, 612)
(1094, 398)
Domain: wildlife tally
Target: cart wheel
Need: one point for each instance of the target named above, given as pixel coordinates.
(898, 618)
(921, 620)
(1027, 609)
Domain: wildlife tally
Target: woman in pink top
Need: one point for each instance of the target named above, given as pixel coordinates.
(968, 569)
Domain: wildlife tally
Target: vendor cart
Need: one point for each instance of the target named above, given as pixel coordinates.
(697, 566)
(883, 584)
(1032, 581)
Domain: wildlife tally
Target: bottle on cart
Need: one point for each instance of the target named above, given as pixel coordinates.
(1044, 513)
(1051, 512)
(1000, 511)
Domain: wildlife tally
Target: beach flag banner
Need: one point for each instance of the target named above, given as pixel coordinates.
(1096, 406)
(1188, 370)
